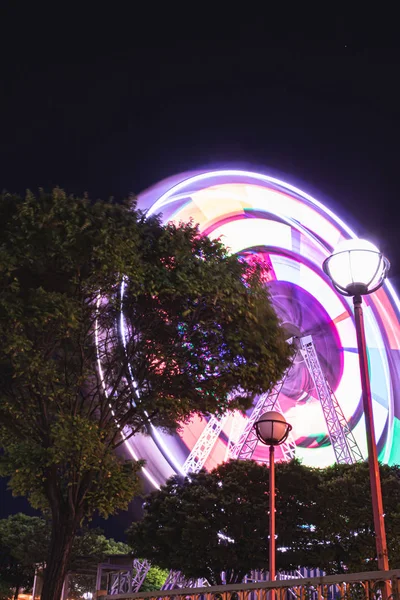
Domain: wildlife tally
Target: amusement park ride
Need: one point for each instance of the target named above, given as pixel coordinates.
(258, 215)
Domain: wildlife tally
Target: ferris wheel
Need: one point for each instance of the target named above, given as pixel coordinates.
(262, 218)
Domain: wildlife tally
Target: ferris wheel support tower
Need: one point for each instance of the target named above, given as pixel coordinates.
(343, 442)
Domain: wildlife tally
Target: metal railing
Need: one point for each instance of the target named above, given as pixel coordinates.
(375, 585)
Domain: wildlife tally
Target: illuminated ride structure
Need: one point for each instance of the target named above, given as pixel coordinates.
(291, 234)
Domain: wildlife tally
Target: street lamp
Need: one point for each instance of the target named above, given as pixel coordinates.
(272, 430)
(356, 268)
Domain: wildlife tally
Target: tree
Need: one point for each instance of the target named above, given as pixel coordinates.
(92, 546)
(23, 544)
(198, 335)
(343, 539)
(218, 521)
(26, 537)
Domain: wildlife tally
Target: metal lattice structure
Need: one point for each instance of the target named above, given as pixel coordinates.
(140, 570)
(119, 583)
(176, 580)
(342, 439)
(122, 577)
(245, 447)
(247, 443)
(234, 434)
(202, 448)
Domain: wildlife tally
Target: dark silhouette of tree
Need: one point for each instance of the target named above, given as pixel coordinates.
(344, 539)
(218, 521)
(213, 522)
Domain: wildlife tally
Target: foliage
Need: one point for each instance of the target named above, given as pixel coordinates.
(91, 547)
(27, 538)
(218, 521)
(297, 506)
(214, 522)
(201, 336)
(155, 579)
(344, 539)
(23, 544)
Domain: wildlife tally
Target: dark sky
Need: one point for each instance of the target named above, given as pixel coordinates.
(111, 102)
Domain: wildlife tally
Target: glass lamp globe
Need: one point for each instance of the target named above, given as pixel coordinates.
(272, 428)
(356, 267)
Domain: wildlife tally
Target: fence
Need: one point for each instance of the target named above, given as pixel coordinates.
(375, 585)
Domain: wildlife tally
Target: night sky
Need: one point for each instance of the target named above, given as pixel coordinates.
(111, 102)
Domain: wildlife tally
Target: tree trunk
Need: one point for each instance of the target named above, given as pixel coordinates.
(17, 588)
(62, 537)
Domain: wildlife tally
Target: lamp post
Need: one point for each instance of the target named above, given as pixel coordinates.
(356, 268)
(272, 430)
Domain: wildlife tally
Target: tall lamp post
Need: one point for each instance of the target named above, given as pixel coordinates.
(356, 268)
(272, 430)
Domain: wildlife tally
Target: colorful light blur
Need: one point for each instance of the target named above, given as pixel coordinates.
(268, 220)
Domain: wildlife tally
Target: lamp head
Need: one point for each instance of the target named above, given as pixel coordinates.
(356, 267)
(272, 428)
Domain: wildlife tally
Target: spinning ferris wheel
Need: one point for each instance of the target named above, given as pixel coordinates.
(320, 395)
